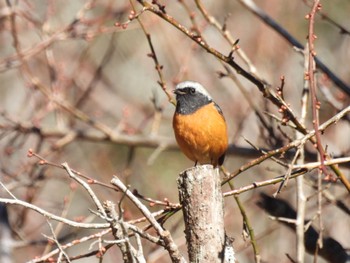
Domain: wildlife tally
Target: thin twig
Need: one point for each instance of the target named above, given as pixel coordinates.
(45, 257)
(170, 246)
(330, 20)
(294, 144)
(87, 188)
(52, 216)
(312, 82)
(263, 183)
(227, 35)
(247, 224)
(154, 56)
(251, 6)
(288, 173)
(59, 246)
(300, 194)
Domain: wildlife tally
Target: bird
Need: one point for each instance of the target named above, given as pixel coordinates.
(199, 125)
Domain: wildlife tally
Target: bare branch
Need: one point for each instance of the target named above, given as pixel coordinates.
(52, 216)
(164, 234)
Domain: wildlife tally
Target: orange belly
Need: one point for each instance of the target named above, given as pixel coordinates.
(202, 136)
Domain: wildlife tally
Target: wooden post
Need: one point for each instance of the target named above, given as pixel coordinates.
(202, 205)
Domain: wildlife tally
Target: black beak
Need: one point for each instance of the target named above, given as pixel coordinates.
(179, 92)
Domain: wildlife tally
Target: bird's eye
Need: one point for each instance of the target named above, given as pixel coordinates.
(192, 90)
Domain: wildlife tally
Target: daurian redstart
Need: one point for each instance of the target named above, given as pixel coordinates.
(199, 125)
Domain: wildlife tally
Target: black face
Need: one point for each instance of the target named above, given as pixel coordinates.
(189, 100)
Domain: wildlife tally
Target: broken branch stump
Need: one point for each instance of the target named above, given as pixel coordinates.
(203, 209)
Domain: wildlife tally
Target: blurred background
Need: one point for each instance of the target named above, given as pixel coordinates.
(65, 66)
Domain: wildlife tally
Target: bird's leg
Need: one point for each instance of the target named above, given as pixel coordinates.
(195, 163)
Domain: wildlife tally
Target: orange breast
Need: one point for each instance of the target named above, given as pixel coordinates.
(202, 136)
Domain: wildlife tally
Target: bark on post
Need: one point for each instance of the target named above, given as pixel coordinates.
(202, 204)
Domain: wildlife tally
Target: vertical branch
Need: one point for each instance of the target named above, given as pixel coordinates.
(247, 225)
(202, 206)
(119, 231)
(301, 198)
(315, 113)
(312, 83)
(153, 55)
